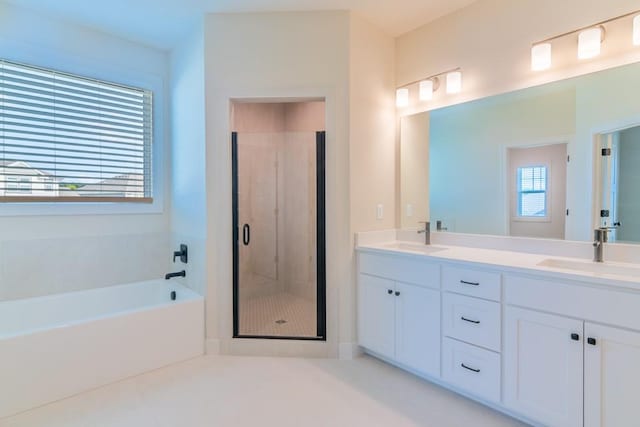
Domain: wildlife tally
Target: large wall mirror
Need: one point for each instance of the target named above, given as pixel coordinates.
(552, 161)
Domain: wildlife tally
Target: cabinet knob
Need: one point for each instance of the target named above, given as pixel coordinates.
(575, 337)
(397, 293)
(389, 291)
(591, 341)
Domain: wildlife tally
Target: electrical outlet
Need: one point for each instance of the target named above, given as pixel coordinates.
(380, 212)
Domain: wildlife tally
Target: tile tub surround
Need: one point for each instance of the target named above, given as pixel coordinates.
(278, 392)
(78, 263)
(55, 346)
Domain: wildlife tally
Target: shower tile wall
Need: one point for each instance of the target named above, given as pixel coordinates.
(292, 125)
(277, 181)
(36, 267)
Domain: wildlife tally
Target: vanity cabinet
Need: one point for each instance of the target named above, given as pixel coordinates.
(533, 345)
(543, 367)
(398, 320)
(611, 376)
(566, 372)
(376, 314)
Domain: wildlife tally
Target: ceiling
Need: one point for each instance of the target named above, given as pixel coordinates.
(161, 23)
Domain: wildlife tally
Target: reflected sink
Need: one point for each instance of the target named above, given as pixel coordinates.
(412, 247)
(592, 267)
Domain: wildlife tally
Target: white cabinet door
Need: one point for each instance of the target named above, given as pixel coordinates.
(418, 328)
(612, 376)
(544, 367)
(376, 314)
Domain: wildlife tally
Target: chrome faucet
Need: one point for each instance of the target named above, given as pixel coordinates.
(426, 231)
(599, 239)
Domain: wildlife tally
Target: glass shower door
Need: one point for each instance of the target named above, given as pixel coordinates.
(278, 213)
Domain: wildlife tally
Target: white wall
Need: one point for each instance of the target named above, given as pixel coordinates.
(188, 148)
(88, 250)
(283, 55)
(372, 126)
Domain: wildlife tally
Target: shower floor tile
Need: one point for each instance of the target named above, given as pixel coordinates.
(281, 314)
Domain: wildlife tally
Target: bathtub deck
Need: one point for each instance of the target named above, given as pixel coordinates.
(280, 392)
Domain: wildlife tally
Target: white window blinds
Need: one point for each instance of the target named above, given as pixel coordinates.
(69, 138)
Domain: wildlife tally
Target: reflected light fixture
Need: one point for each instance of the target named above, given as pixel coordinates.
(541, 57)
(590, 42)
(402, 97)
(454, 82)
(636, 30)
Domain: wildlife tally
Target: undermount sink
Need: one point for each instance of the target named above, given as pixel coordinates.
(592, 267)
(412, 247)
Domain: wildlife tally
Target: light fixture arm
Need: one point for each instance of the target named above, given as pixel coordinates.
(600, 24)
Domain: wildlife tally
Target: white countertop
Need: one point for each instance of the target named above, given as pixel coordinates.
(622, 275)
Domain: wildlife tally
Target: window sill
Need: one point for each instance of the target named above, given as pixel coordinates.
(530, 219)
(72, 208)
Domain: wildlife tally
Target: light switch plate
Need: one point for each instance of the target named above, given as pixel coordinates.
(409, 210)
(380, 212)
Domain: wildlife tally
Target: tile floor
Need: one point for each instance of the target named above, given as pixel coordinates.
(258, 316)
(221, 391)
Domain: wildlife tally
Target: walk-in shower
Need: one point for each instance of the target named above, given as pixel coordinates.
(278, 154)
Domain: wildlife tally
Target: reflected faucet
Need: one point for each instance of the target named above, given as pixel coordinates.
(426, 231)
(599, 239)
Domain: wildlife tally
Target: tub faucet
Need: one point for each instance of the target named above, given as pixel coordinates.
(599, 239)
(178, 274)
(426, 231)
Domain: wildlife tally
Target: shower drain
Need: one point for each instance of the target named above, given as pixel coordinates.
(281, 322)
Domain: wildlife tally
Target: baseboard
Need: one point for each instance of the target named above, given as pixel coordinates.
(349, 351)
(212, 346)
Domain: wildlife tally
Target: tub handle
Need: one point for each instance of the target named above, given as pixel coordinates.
(246, 234)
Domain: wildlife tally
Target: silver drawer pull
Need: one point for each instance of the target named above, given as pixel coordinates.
(470, 369)
(476, 322)
(464, 282)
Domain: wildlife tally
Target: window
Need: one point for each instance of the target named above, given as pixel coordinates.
(532, 191)
(70, 138)
(19, 185)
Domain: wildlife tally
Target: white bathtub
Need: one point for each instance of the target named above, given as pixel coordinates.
(56, 346)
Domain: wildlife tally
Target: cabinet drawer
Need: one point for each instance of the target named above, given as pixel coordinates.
(472, 320)
(472, 369)
(475, 283)
(417, 272)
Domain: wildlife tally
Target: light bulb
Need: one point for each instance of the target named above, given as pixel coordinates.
(402, 97)
(454, 82)
(541, 57)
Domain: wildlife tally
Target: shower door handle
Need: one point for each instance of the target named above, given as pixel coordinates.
(246, 234)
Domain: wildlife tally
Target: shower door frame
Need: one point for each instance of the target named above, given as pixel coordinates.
(321, 267)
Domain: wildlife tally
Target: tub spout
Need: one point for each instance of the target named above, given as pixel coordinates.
(178, 274)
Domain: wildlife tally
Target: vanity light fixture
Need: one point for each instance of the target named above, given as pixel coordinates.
(402, 97)
(590, 40)
(541, 56)
(454, 82)
(429, 85)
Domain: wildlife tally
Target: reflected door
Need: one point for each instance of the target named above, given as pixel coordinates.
(537, 179)
(278, 235)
